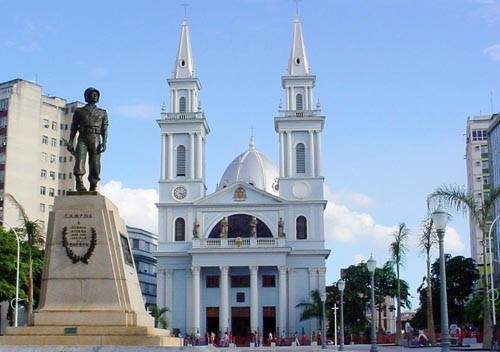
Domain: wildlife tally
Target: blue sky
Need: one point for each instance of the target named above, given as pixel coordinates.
(396, 79)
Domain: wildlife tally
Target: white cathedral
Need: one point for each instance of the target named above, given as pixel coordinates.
(241, 258)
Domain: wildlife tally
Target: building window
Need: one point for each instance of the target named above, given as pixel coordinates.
(268, 280)
(45, 123)
(53, 142)
(479, 135)
(2, 158)
(54, 126)
(240, 281)
(51, 192)
(3, 122)
(4, 104)
(42, 208)
(2, 176)
(135, 243)
(43, 173)
(52, 175)
(300, 156)
(52, 158)
(182, 104)
(212, 281)
(240, 297)
(45, 140)
(44, 156)
(42, 190)
(180, 229)
(181, 161)
(301, 228)
(3, 140)
(486, 180)
(299, 104)
(484, 149)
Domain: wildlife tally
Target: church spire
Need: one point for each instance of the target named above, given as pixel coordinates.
(298, 65)
(184, 63)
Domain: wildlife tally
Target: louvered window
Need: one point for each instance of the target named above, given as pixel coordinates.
(299, 104)
(301, 228)
(300, 155)
(181, 161)
(180, 229)
(182, 104)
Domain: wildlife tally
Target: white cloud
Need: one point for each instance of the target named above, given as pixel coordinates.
(345, 225)
(352, 199)
(493, 52)
(136, 206)
(139, 110)
(489, 11)
(453, 241)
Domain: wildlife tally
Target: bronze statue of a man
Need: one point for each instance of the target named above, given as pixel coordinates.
(91, 123)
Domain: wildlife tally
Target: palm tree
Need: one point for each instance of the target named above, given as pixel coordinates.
(427, 241)
(157, 314)
(34, 236)
(312, 308)
(398, 250)
(480, 210)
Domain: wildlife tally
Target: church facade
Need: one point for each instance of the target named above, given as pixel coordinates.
(241, 259)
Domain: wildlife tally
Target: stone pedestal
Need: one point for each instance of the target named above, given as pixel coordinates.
(90, 292)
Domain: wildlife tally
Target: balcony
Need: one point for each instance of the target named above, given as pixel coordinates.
(299, 113)
(182, 115)
(238, 242)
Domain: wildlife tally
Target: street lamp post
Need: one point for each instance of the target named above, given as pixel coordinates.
(372, 264)
(17, 275)
(491, 273)
(440, 218)
(341, 286)
(334, 308)
(323, 332)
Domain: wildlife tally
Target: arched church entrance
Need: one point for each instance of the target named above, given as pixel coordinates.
(241, 225)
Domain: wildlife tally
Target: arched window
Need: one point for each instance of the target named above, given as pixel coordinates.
(301, 228)
(182, 104)
(180, 229)
(181, 161)
(300, 158)
(299, 103)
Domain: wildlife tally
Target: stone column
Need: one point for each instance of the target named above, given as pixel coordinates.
(170, 157)
(282, 298)
(196, 299)
(311, 154)
(313, 285)
(254, 298)
(321, 279)
(291, 301)
(169, 293)
(289, 152)
(163, 157)
(199, 156)
(224, 300)
(160, 288)
(282, 155)
(319, 166)
(189, 300)
(191, 156)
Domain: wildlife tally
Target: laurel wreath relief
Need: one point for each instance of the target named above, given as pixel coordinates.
(69, 252)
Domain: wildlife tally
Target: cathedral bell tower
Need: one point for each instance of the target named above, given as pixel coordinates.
(183, 131)
(299, 125)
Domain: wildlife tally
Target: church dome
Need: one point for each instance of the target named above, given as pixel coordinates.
(254, 168)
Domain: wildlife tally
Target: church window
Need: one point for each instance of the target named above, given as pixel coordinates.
(299, 104)
(240, 297)
(212, 281)
(180, 229)
(300, 155)
(181, 161)
(182, 104)
(268, 280)
(240, 281)
(301, 228)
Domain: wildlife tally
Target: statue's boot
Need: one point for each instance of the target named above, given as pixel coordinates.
(93, 187)
(80, 187)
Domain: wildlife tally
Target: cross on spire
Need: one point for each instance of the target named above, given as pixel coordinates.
(297, 7)
(185, 5)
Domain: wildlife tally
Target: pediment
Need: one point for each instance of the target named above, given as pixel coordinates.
(239, 193)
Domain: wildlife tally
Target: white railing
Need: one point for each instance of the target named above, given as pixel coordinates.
(238, 242)
(182, 115)
(299, 113)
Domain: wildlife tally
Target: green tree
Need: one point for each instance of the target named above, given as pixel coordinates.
(481, 211)
(398, 250)
(427, 241)
(312, 308)
(158, 315)
(33, 237)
